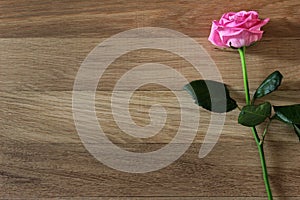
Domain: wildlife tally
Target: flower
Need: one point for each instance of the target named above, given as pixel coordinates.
(237, 29)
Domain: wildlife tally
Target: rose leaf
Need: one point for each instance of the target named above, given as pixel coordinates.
(270, 84)
(211, 95)
(252, 115)
(297, 130)
(289, 114)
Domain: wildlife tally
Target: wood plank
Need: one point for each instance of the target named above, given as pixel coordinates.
(51, 64)
(104, 18)
(31, 170)
(47, 117)
(42, 45)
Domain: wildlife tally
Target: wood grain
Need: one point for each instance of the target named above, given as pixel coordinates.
(58, 170)
(47, 116)
(104, 18)
(44, 154)
(42, 45)
(47, 64)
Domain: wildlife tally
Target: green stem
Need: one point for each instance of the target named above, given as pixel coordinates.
(265, 172)
(254, 131)
(242, 52)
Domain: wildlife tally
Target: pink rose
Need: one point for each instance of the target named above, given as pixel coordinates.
(237, 29)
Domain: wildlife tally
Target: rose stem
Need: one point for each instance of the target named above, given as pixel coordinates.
(259, 144)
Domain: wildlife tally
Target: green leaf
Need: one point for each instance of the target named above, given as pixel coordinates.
(297, 130)
(211, 95)
(252, 115)
(288, 114)
(270, 84)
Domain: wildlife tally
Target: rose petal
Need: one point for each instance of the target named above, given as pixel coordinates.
(242, 19)
(214, 36)
(242, 38)
(260, 24)
(226, 17)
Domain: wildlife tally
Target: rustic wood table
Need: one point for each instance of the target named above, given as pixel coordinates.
(42, 46)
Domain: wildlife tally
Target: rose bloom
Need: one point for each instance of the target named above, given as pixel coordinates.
(237, 29)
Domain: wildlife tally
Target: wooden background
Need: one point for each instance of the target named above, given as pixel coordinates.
(43, 43)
